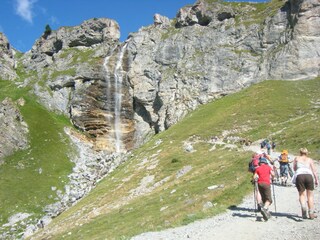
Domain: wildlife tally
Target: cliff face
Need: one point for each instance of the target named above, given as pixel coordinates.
(76, 71)
(214, 49)
(298, 57)
(13, 129)
(7, 61)
(119, 93)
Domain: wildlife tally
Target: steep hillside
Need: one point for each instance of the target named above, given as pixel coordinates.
(197, 168)
(118, 96)
(34, 164)
(167, 69)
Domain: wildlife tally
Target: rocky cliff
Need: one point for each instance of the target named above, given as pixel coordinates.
(7, 59)
(13, 129)
(120, 93)
(212, 49)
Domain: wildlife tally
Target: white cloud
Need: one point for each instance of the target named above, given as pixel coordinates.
(24, 9)
(54, 20)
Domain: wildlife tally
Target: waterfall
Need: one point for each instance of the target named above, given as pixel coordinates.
(105, 66)
(115, 119)
(118, 76)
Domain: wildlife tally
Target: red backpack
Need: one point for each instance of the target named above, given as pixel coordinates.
(254, 163)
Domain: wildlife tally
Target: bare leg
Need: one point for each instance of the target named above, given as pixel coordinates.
(258, 196)
(266, 204)
(312, 215)
(310, 199)
(302, 200)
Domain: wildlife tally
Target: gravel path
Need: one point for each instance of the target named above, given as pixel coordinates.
(242, 222)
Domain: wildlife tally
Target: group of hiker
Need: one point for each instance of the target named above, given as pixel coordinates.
(268, 145)
(303, 176)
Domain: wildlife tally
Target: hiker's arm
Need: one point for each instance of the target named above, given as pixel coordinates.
(272, 174)
(314, 171)
(295, 164)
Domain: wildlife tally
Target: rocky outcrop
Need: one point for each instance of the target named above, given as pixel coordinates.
(118, 94)
(76, 69)
(215, 49)
(167, 69)
(7, 61)
(13, 129)
(299, 58)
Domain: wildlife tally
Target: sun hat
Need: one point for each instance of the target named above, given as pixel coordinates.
(284, 152)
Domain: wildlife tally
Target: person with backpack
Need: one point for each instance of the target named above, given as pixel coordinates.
(254, 162)
(262, 176)
(306, 179)
(263, 144)
(253, 165)
(284, 167)
(268, 146)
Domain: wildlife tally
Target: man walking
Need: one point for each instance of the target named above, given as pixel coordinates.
(262, 175)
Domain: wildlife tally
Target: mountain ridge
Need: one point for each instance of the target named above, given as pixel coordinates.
(167, 70)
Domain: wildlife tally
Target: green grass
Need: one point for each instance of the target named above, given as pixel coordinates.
(289, 111)
(80, 56)
(258, 11)
(23, 188)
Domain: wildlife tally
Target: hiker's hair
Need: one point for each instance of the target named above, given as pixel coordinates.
(303, 151)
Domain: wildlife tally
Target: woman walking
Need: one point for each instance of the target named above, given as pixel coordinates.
(306, 179)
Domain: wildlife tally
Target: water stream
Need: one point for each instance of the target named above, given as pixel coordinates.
(114, 118)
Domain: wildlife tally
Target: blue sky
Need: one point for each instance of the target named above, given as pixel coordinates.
(24, 21)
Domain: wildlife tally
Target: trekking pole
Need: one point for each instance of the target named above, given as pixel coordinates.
(274, 197)
(255, 197)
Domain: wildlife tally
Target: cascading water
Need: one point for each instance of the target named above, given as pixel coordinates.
(115, 119)
(118, 74)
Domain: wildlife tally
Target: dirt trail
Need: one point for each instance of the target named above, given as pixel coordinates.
(242, 222)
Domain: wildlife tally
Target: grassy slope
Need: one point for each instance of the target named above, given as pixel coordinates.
(287, 111)
(22, 187)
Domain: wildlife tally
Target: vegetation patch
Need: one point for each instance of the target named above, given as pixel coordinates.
(30, 178)
(162, 185)
(83, 55)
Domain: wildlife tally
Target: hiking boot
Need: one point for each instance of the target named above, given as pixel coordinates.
(304, 213)
(259, 207)
(265, 214)
(312, 215)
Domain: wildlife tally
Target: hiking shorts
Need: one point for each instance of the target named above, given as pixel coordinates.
(304, 181)
(265, 192)
(284, 169)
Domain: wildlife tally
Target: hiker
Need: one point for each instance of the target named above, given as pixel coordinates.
(262, 176)
(273, 146)
(253, 165)
(263, 144)
(268, 146)
(284, 167)
(305, 178)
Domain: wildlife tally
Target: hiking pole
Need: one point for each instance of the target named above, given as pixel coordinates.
(274, 197)
(255, 197)
(255, 193)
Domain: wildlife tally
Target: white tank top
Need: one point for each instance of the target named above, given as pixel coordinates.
(303, 169)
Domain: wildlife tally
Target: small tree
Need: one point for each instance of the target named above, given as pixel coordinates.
(47, 31)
